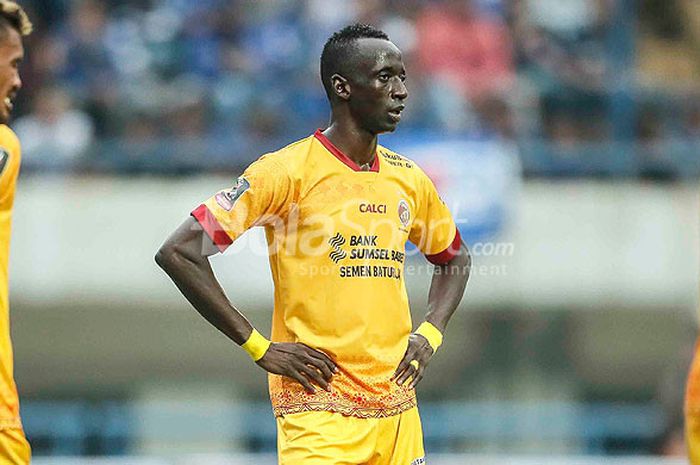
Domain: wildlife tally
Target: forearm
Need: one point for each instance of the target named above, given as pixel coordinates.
(191, 272)
(447, 288)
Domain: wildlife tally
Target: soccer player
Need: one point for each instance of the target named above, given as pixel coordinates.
(14, 24)
(337, 209)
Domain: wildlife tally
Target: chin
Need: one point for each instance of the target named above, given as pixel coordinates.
(383, 129)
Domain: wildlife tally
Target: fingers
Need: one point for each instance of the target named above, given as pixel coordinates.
(300, 363)
(409, 372)
(303, 381)
(414, 361)
(321, 361)
(407, 357)
(315, 366)
(312, 374)
(321, 366)
(417, 376)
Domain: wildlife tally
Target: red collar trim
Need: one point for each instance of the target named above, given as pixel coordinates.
(341, 156)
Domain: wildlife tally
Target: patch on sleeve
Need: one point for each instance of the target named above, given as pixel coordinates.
(227, 199)
(419, 461)
(4, 158)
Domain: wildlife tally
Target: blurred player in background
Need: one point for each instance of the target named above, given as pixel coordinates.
(338, 209)
(14, 24)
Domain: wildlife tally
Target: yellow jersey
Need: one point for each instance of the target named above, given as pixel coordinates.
(336, 239)
(9, 169)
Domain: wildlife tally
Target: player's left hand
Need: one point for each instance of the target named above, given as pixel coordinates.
(414, 361)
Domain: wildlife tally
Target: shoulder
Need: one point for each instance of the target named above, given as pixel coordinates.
(284, 161)
(407, 167)
(394, 158)
(288, 158)
(396, 161)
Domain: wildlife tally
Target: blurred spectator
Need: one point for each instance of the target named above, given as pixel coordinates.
(561, 53)
(562, 41)
(691, 122)
(652, 150)
(55, 133)
(88, 57)
(465, 56)
(465, 49)
(496, 117)
(530, 70)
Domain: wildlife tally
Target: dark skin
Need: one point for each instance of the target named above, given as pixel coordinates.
(363, 100)
(367, 101)
(446, 291)
(185, 258)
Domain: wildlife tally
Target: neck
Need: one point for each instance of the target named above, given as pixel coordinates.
(357, 144)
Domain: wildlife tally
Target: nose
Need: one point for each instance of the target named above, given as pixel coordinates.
(399, 91)
(17, 81)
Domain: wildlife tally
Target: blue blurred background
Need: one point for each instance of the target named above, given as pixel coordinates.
(586, 88)
(564, 134)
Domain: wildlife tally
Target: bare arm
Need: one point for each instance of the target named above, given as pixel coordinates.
(447, 288)
(185, 258)
(446, 291)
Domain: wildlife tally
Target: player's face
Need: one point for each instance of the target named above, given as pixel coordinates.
(377, 86)
(11, 55)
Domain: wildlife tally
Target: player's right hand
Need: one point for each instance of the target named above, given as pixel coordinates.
(300, 363)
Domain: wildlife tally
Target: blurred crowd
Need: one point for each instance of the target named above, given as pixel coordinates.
(183, 86)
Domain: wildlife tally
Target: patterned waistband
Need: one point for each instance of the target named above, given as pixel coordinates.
(345, 409)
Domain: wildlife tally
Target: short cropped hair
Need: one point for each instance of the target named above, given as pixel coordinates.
(337, 52)
(13, 16)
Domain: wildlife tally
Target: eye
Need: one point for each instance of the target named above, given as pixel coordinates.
(384, 77)
(403, 78)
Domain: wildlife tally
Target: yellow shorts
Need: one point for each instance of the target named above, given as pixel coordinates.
(325, 438)
(692, 409)
(14, 448)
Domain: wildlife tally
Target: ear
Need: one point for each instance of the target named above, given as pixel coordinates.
(341, 86)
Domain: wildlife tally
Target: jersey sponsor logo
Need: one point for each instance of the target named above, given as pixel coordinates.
(336, 242)
(396, 160)
(404, 213)
(363, 240)
(372, 208)
(4, 157)
(369, 271)
(419, 461)
(227, 199)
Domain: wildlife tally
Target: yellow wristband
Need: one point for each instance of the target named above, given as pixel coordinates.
(256, 345)
(431, 333)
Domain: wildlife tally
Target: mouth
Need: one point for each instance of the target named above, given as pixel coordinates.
(9, 105)
(395, 113)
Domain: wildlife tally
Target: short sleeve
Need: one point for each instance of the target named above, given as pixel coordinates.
(261, 196)
(433, 230)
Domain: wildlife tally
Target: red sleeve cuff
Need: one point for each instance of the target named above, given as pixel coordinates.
(212, 227)
(446, 256)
